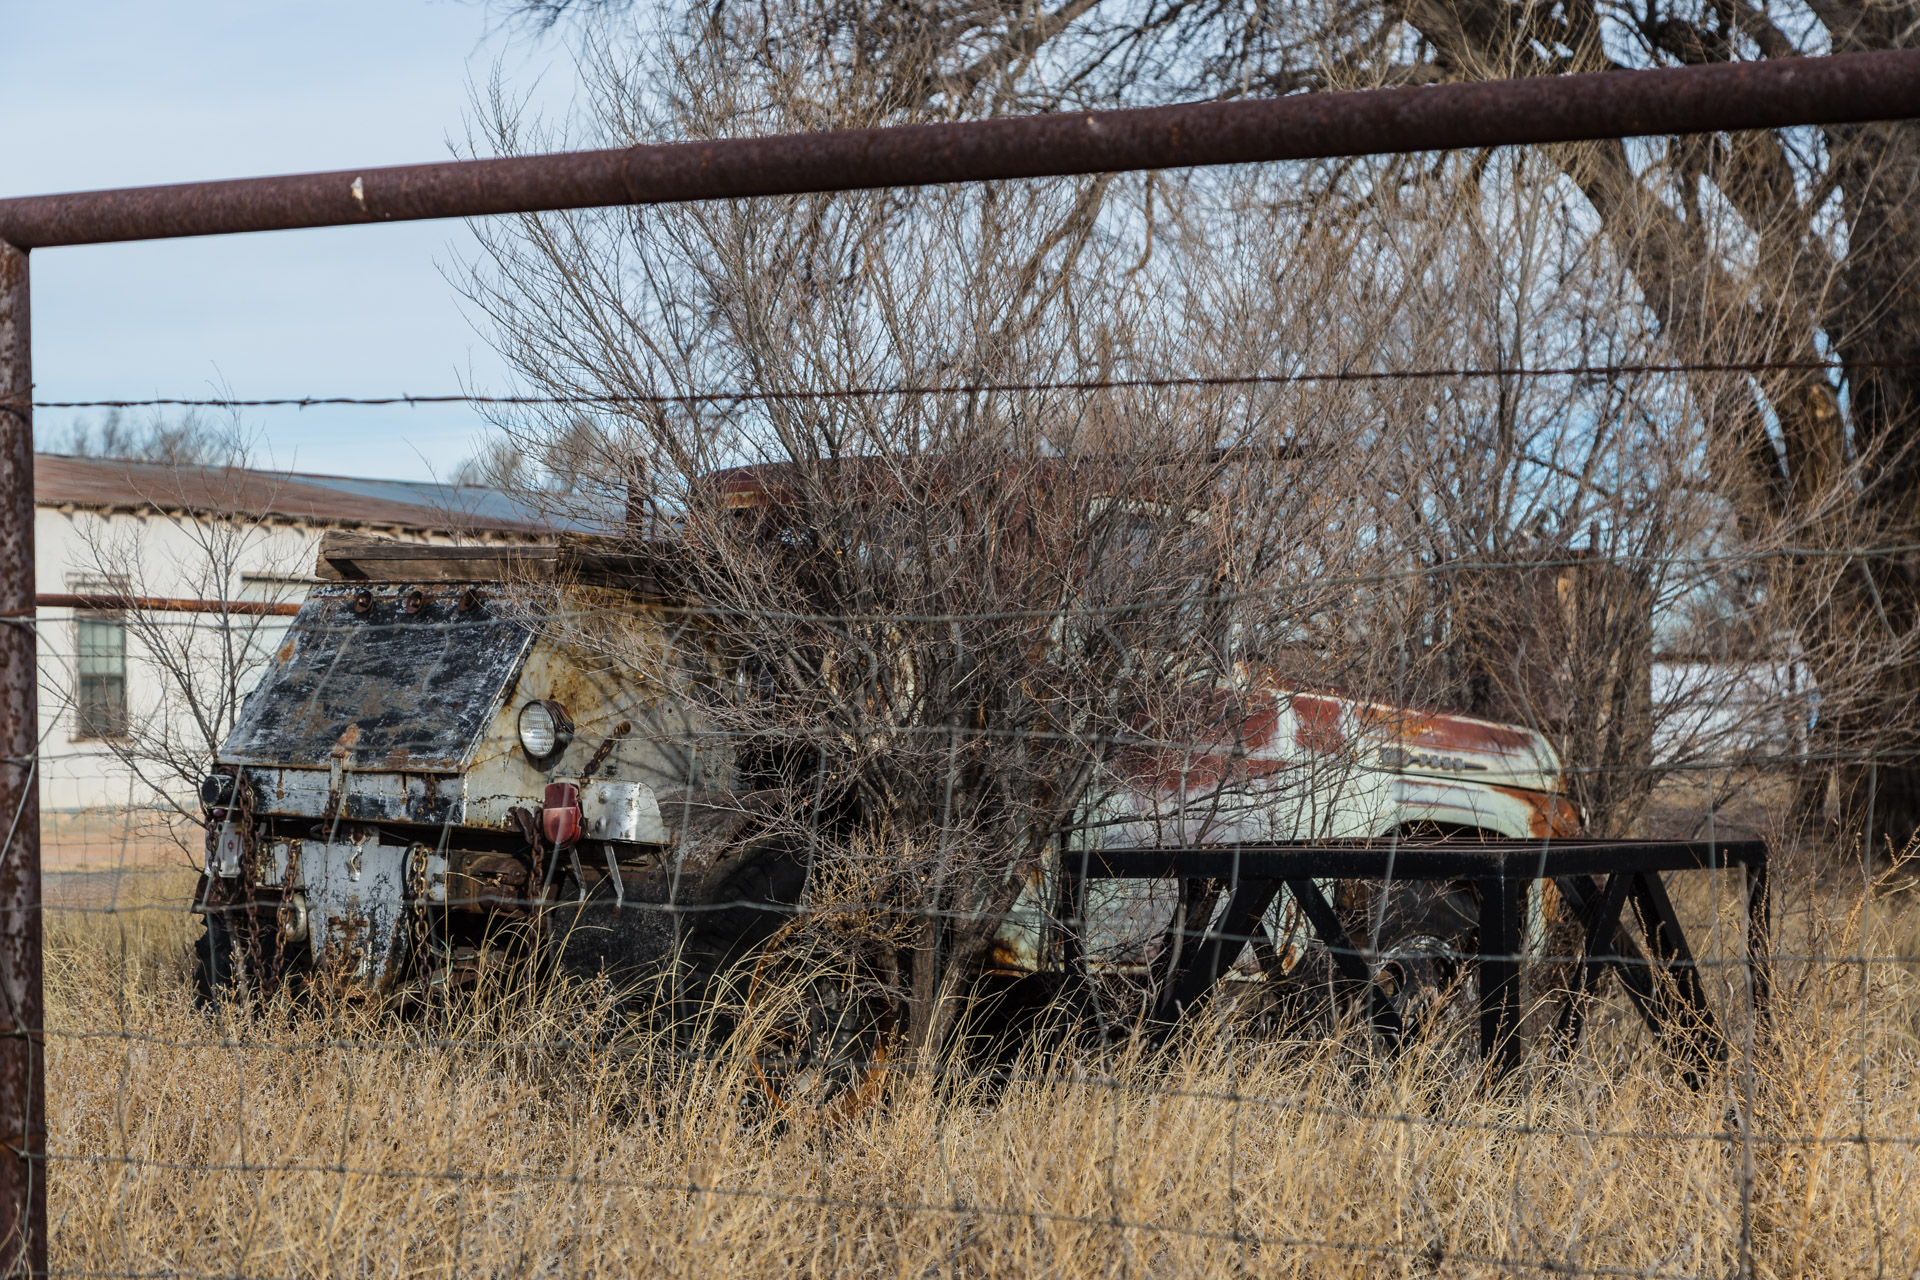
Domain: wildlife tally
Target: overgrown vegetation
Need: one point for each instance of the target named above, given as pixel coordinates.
(1792, 247)
(971, 485)
(527, 1138)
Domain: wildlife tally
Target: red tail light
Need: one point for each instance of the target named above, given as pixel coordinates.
(560, 814)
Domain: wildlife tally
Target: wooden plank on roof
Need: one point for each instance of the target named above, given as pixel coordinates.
(646, 569)
(357, 558)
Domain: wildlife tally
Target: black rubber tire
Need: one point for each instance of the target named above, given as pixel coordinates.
(213, 962)
(720, 941)
(1425, 928)
(744, 903)
(1428, 931)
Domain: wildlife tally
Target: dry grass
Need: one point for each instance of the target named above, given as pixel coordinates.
(310, 1144)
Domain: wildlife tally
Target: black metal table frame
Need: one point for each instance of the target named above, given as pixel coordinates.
(1598, 879)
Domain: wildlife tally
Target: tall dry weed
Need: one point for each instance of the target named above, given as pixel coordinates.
(530, 1139)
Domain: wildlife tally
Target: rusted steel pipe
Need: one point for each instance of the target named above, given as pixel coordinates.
(1880, 85)
(23, 1091)
(168, 604)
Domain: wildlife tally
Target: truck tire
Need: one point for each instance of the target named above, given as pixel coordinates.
(1428, 932)
(749, 899)
(821, 1020)
(1422, 931)
(213, 962)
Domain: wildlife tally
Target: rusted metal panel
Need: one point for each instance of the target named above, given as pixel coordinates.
(367, 683)
(614, 809)
(1506, 811)
(430, 799)
(1295, 764)
(1878, 85)
(355, 889)
(648, 570)
(23, 1112)
(1317, 723)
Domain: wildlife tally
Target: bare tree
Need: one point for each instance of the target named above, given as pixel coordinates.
(563, 462)
(185, 441)
(943, 619)
(197, 668)
(934, 620)
(1783, 247)
(1560, 518)
(1555, 537)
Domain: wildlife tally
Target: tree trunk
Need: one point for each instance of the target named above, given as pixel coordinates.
(1873, 321)
(1876, 325)
(947, 953)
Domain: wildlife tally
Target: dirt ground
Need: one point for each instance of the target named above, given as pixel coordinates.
(106, 858)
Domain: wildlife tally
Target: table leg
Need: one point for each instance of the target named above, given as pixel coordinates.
(1667, 948)
(1759, 937)
(1599, 909)
(1502, 904)
(1384, 1018)
(1217, 952)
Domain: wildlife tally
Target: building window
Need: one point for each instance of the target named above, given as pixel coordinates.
(102, 667)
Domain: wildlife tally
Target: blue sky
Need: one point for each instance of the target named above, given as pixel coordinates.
(121, 93)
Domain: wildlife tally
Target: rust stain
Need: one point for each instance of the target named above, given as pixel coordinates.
(488, 883)
(1448, 729)
(1005, 956)
(1549, 815)
(1318, 723)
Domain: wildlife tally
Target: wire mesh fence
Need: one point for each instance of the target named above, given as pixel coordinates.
(1050, 727)
(543, 1128)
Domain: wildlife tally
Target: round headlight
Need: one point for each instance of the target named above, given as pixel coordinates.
(216, 790)
(542, 729)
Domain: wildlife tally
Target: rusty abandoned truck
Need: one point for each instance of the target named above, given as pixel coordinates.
(431, 773)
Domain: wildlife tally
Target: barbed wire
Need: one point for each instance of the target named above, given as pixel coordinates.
(694, 1187)
(1145, 382)
(857, 909)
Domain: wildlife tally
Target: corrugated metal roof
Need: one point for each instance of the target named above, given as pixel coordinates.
(60, 479)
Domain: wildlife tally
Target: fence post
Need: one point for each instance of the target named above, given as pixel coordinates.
(23, 1094)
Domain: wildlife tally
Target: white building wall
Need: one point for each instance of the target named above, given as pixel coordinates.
(87, 783)
(1732, 712)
